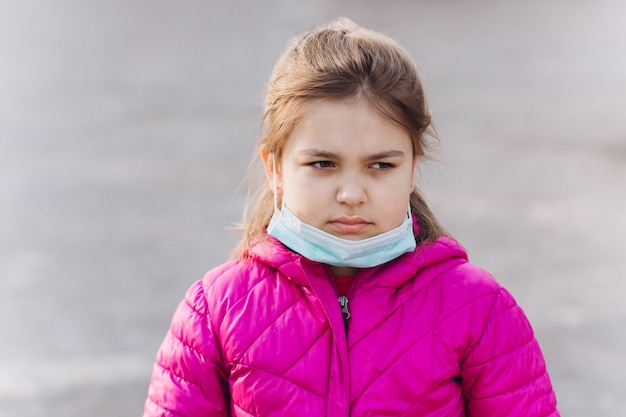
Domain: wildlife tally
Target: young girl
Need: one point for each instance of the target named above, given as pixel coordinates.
(347, 297)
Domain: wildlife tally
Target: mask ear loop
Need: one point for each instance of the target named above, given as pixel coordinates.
(275, 189)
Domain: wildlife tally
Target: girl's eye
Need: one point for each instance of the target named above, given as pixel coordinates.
(322, 164)
(382, 165)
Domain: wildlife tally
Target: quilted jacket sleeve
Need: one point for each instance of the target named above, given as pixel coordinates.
(188, 378)
(505, 374)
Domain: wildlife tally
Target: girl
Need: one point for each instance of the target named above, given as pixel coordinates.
(347, 297)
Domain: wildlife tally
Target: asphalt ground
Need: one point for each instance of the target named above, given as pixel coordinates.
(126, 129)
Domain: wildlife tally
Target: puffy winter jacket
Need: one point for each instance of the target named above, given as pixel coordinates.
(429, 334)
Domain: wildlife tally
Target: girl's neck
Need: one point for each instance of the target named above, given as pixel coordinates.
(343, 271)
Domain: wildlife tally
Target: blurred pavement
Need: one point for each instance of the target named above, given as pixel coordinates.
(126, 129)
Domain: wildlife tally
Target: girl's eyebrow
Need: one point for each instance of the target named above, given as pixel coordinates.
(320, 153)
(392, 153)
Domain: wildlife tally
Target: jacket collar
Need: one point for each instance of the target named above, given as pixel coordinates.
(394, 273)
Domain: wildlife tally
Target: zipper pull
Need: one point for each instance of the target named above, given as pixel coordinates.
(343, 302)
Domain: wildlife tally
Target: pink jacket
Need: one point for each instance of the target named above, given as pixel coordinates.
(429, 334)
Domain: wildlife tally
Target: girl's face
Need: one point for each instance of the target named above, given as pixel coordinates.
(346, 170)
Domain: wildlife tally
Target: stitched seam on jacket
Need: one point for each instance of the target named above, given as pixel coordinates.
(186, 346)
(180, 377)
(409, 410)
(471, 349)
(305, 351)
(189, 346)
(242, 409)
(209, 325)
(321, 396)
(175, 375)
(193, 308)
(270, 324)
(205, 318)
(501, 355)
(446, 317)
(508, 352)
(517, 388)
(222, 275)
(418, 292)
(162, 407)
(237, 301)
(409, 347)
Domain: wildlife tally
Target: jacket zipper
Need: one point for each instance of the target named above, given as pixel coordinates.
(343, 302)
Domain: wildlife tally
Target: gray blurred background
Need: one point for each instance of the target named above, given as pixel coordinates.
(126, 128)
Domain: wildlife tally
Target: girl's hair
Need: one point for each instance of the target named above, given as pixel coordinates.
(339, 61)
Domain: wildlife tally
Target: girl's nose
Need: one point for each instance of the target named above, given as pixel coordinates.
(351, 192)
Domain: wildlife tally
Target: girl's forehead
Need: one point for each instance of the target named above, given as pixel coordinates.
(346, 123)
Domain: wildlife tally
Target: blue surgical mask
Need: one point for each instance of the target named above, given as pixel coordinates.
(320, 246)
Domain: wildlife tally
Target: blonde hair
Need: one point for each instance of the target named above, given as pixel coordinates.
(337, 61)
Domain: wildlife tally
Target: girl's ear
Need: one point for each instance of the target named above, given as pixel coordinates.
(415, 162)
(271, 168)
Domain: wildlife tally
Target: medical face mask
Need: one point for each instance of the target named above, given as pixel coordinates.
(320, 246)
